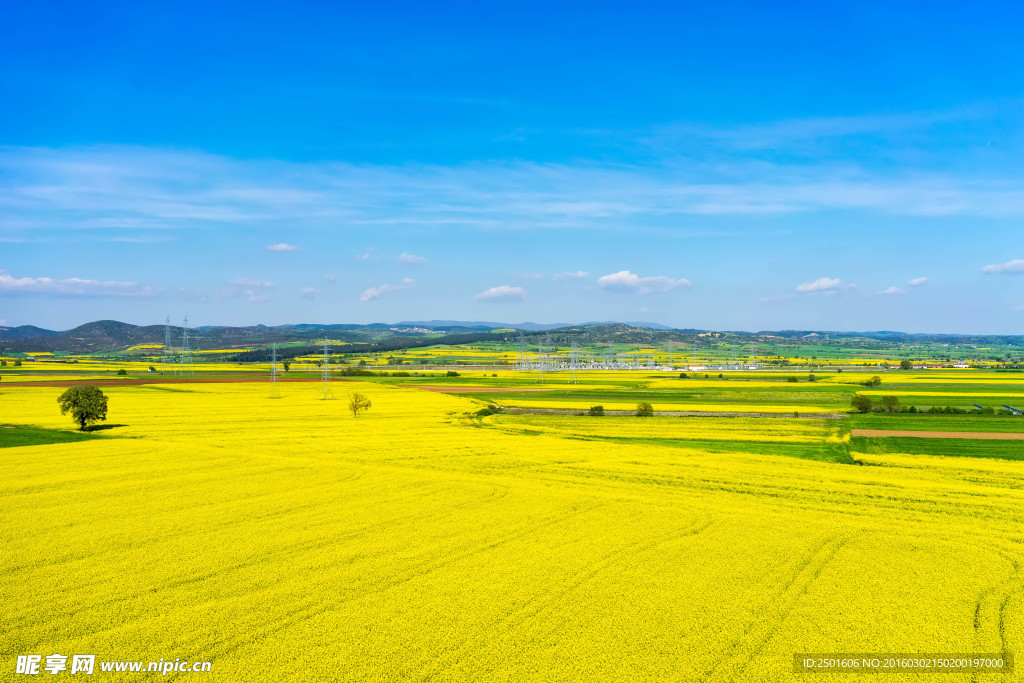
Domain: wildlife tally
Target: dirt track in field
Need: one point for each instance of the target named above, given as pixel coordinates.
(940, 435)
(135, 381)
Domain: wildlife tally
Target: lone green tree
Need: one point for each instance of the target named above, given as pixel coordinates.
(861, 403)
(87, 405)
(358, 402)
(644, 409)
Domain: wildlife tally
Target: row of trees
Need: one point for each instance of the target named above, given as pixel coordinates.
(643, 409)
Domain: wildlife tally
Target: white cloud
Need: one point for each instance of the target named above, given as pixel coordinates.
(331, 277)
(570, 276)
(365, 256)
(822, 284)
(625, 281)
(13, 286)
(110, 188)
(281, 246)
(308, 293)
(411, 259)
(377, 292)
(917, 281)
(1014, 266)
(247, 288)
(892, 290)
(502, 293)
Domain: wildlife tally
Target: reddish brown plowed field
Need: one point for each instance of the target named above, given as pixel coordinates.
(938, 435)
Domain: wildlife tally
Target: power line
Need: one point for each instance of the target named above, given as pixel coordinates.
(186, 351)
(273, 372)
(325, 374)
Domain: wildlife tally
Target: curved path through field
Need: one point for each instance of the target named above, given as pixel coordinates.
(177, 379)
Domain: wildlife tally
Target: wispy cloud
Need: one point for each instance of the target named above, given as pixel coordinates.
(502, 293)
(822, 284)
(625, 281)
(411, 259)
(150, 189)
(918, 281)
(330, 277)
(247, 288)
(71, 287)
(365, 256)
(1014, 266)
(892, 290)
(579, 274)
(376, 292)
(281, 246)
(309, 293)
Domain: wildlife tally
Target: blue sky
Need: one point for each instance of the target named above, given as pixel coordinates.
(713, 165)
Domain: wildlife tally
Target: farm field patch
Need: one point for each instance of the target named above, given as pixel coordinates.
(934, 434)
(285, 539)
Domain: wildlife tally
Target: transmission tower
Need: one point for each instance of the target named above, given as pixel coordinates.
(186, 351)
(168, 361)
(273, 372)
(540, 362)
(574, 361)
(325, 374)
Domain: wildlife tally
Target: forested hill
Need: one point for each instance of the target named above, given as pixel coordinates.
(105, 336)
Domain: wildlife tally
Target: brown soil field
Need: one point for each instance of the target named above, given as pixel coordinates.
(938, 435)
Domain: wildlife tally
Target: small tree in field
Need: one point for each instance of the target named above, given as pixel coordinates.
(644, 409)
(86, 403)
(596, 411)
(861, 403)
(358, 402)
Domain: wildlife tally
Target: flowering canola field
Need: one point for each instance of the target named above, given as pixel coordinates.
(285, 540)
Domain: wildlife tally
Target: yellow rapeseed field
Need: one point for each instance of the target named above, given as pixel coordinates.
(285, 540)
(578, 405)
(689, 428)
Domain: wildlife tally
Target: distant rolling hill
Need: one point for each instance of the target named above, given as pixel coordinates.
(115, 336)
